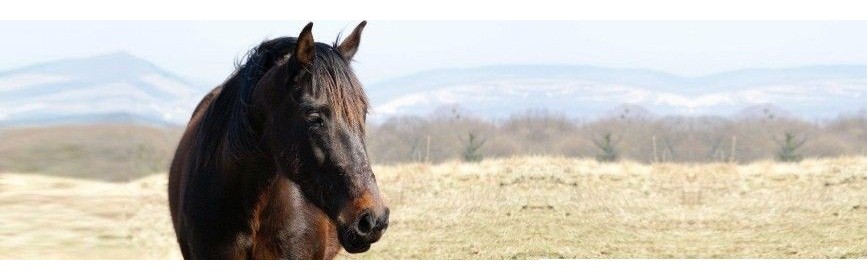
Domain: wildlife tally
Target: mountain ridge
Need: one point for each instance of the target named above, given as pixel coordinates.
(592, 88)
(77, 90)
(122, 86)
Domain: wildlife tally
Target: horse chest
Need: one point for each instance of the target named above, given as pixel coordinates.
(286, 226)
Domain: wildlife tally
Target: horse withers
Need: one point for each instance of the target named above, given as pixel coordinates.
(273, 163)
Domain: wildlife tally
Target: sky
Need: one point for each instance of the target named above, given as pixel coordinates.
(205, 51)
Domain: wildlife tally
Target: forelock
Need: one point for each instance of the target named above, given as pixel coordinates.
(333, 76)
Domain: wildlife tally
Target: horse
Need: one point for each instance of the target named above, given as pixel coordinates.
(273, 162)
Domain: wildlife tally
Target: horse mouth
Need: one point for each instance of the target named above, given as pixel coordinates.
(354, 244)
(357, 248)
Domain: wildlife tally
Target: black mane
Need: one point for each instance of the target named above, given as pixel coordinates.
(226, 120)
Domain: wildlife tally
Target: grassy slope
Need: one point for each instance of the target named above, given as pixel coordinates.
(103, 152)
(520, 208)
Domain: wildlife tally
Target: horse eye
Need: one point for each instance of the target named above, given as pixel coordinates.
(315, 120)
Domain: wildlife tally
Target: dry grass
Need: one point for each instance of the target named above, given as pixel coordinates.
(45, 217)
(520, 208)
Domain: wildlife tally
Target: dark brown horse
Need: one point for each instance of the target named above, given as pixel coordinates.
(273, 163)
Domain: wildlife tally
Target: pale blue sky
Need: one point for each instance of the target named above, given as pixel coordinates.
(206, 50)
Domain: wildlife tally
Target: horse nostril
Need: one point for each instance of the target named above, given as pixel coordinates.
(365, 224)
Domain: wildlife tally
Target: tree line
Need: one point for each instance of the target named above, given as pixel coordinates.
(620, 137)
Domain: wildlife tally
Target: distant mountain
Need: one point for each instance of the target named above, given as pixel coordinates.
(587, 92)
(116, 88)
(122, 88)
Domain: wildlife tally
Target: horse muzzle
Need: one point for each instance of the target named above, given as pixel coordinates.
(365, 230)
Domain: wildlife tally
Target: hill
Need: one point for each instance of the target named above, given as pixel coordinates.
(113, 88)
(122, 88)
(810, 92)
(111, 152)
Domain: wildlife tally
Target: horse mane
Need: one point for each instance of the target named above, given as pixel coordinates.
(225, 124)
(225, 131)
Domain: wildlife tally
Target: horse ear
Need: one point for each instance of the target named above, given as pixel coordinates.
(304, 46)
(350, 45)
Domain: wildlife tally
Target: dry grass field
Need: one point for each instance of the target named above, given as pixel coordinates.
(519, 208)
